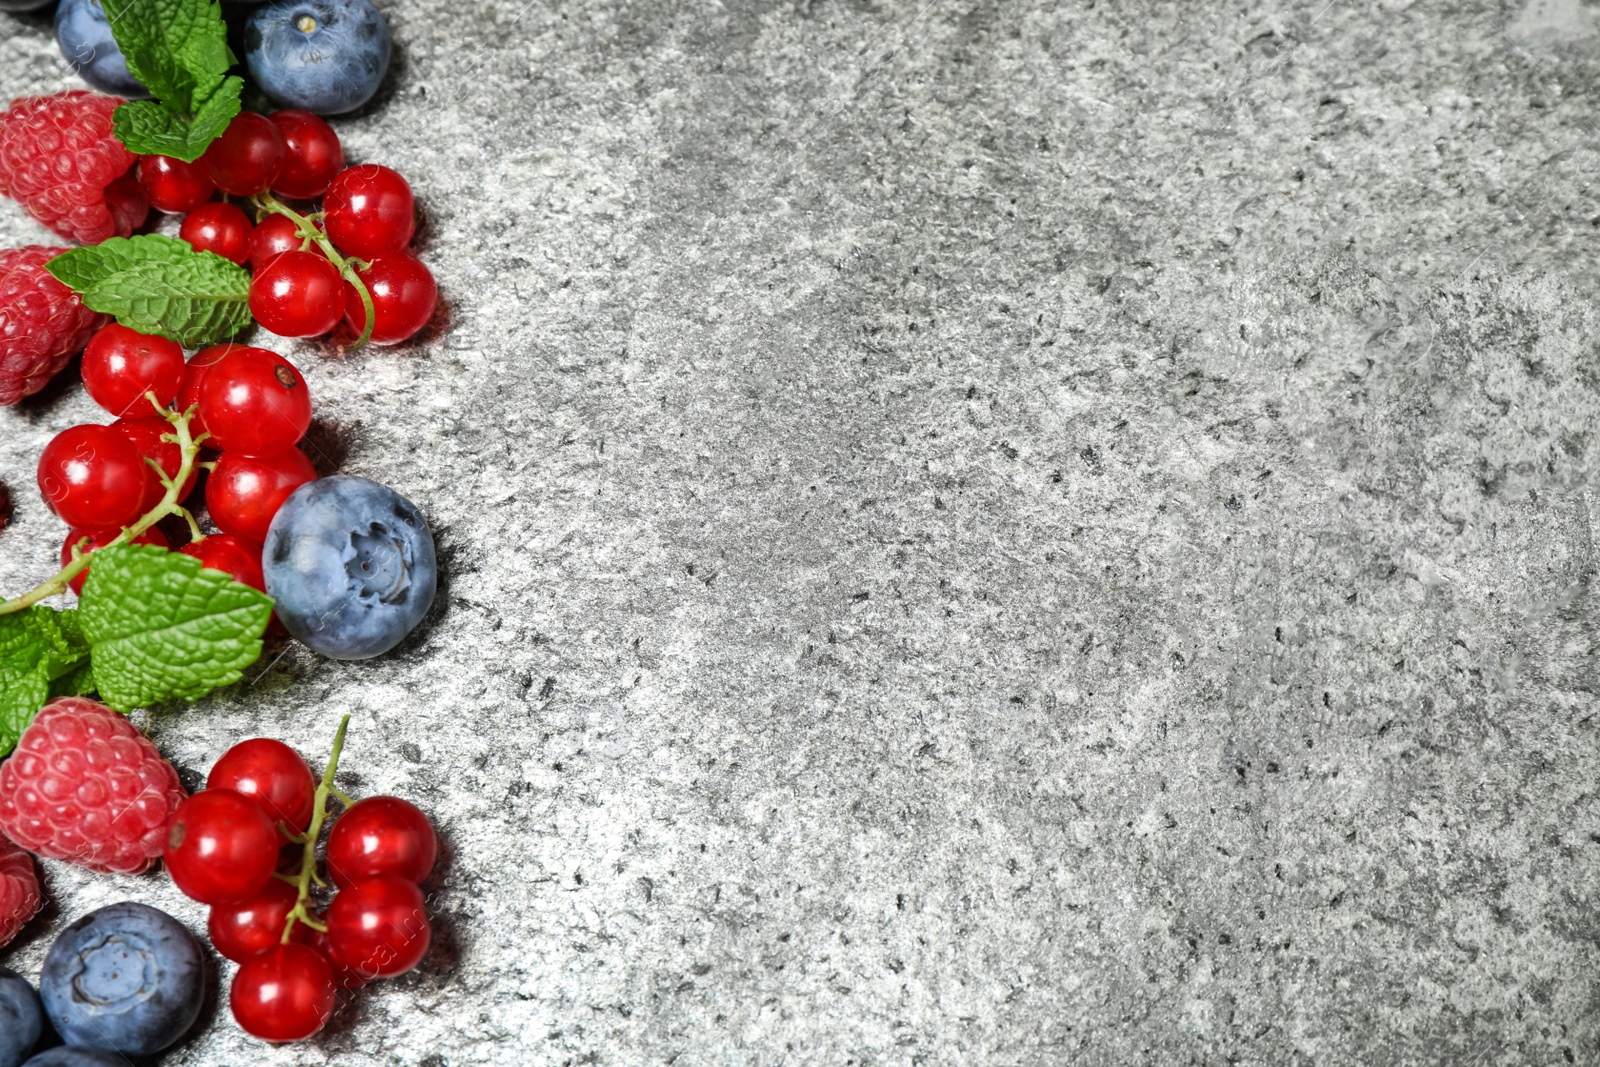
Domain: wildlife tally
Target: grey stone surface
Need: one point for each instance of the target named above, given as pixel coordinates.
(976, 533)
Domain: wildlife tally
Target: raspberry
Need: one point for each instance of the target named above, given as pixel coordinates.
(86, 787)
(42, 322)
(19, 890)
(59, 159)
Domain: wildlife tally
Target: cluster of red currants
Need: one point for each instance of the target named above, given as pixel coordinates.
(301, 285)
(223, 850)
(253, 403)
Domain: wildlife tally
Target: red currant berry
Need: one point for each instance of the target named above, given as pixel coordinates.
(244, 492)
(220, 228)
(239, 559)
(298, 294)
(173, 186)
(381, 836)
(94, 478)
(194, 372)
(245, 160)
(241, 931)
(312, 155)
(379, 927)
(283, 994)
(120, 365)
(254, 402)
(403, 298)
(343, 977)
(99, 539)
(269, 771)
(146, 435)
(221, 847)
(369, 209)
(273, 236)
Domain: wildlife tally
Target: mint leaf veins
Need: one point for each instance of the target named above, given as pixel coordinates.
(156, 284)
(178, 49)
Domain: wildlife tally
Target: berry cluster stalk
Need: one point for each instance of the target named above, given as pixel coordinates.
(308, 863)
(310, 234)
(189, 447)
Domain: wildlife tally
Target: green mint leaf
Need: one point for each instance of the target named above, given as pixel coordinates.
(155, 284)
(162, 627)
(78, 682)
(147, 128)
(36, 647)
(177, 48)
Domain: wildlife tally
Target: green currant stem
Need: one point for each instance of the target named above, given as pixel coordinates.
(266, 202)
(308, 864)
(189, 448)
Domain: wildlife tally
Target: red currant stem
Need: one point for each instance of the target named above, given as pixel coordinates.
(344, 798)
(293, 880)
(189, 448)
(272, 205)
(195, 533)
(308, 863)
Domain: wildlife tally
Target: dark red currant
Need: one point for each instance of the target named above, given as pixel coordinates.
(403, 298)
(283, 994)
(269, 771)
(273, 236)
(250, 927)
(379, 927)
(99, 539)
(312, 155)
(298, 294)
(245, 160)
(121, 365)
(244, 493)
(94, 478)
(254, 402)
(173, 186)
(194, 372)
(369, 209)
(221, 847)
(220, 228)
(381, 836)
(146, 435)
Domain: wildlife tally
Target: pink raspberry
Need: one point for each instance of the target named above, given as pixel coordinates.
(19, 890)
(42, 322)
(59, 159)
(86, 787)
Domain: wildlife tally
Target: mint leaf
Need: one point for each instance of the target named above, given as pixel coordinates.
(179, 50)
(155, 284)
(162, 627)
(36, 647)
(78, 682)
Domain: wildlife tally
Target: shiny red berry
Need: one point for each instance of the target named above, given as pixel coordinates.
(273, 236)
(245, 160)
(381, 836)
(99, 539)
(369, 209)
(298, 294)
(147, 436)
(379, 927)
(240, 559)
(254, 402)
(270, 772)
(194, 372)
(120, 365)
(403, 298)
(312, 155)
(244, 492)
(247, 929)
(173, 186)
(221, 847)
(94, 478)
(283, 994)
(220, 228)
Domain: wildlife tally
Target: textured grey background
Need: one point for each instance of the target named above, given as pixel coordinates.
(976, 533)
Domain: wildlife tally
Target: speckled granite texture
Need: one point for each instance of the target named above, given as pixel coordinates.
(976, 533)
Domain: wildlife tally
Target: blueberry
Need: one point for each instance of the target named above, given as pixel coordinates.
(20, 1018)
(126, 978)
(84, 37)
(65, 1056)
(322, 56)
(351, 566)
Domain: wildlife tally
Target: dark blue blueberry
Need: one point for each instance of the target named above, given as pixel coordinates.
(20, 1018)
(84, 37)
(64, 1056)
(126, 978)
(323, 56)
(351, 566)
